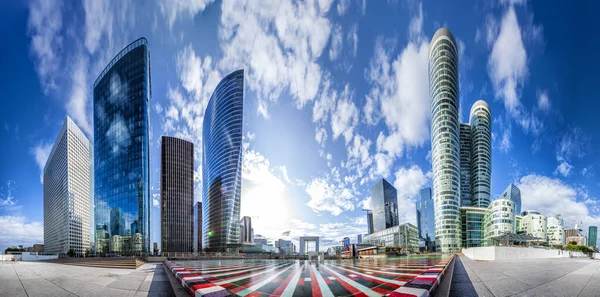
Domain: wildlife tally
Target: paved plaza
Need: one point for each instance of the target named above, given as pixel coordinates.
(535, 277)
(375, 277)
(30, 279)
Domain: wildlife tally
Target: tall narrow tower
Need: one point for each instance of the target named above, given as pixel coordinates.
(445, 152)
(481, 154)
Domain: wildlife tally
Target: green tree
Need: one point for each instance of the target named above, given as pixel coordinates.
(71, 253)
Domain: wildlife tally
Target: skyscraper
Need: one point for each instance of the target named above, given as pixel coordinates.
(222, 163)
(121, 151)
(177, 195)
(198, 226)
(370, 227)
(592, 235)
(445, 150)
(481, 154)
(384, 199)
(246, 236)
(68, 199)
(465, 165)
(513, 193)
(425, 220)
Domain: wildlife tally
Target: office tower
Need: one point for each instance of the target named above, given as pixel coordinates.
(122, 94)
(425, 221)
(155, 249)
(198, 226)
(481, 154)
(359, 238)
(177, 195)
(370, 227)
(222, 163)
(246, 230)
(513, 193)
(592, 236)
(445, 150)
(465, 164)
(384, 199)
(556, 231)
(68, 199)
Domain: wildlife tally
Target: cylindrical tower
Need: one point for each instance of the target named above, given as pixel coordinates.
(481, 154)
(445, 153)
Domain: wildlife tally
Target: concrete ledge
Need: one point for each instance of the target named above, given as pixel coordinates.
(495, 253)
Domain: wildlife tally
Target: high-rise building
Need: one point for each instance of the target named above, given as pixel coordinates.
(592, 236)
(513, 193)
(286, 247)
(535, 224)
(177, 195)
(222, 163)
(384, 199)
(68, 200)
(359, 238)
(465, 164)
(425, 220)
(246, 230)
(122, 94)
(445, 145)
(198, 226)
(370, 227)
(556, 230)
(481, 154)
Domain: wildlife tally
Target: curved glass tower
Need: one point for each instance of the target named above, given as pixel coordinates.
(121, 152)
(445, 152)
(222, 164)
(481, 154)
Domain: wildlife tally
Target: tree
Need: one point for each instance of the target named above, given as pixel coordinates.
(71, 253)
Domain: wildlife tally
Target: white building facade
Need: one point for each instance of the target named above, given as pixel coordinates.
(556, 230)
(68, 188)
(534, 224)
(499, 219)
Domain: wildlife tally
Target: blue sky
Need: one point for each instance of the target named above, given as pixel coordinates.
(336, 98)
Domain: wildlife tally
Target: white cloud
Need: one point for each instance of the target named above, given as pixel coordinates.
(563, 168)
(17, 230)
(325, 103)
(337, 39)
(408, 183)
(329, 197)
(278, 43)
(574, 143)
(321, 136)
(507, 65)
(7, 199)
(156, 200)
(44, 25)
(359, 157)
(77, 106)
(345, 117)
(543, 100)
(551, 196)
(362, 220)
(98, 20)
(342, 7)
(353, 38)
(41, 153)
(174, 9)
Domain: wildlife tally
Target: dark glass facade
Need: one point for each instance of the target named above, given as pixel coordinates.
(370, 227)
(384, 199)
(121, 150)
(222, 164)
(198, 226)
(177, 195)
(592, 236)
(514, 194)
(425, 220)
(465, 164)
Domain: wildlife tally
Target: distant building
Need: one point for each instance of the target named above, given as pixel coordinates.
(286, 247)
(177, 195)
(222, 164)
(472, 226)
(535, 224)
(556, 236)
(334, 251)
(592, 236)
(68, 198)
(405, 236)
(306, 243)
(571, 233)
(499, 219)
(198, 226)
(155, 249)
(259, 239)
(425, 221)
(370, 226)
(38, 248)
(246, 230)
(384, 199)
(513, 193)
(359, 238)
(579, 240)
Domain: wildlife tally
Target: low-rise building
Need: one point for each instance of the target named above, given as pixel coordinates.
(535, 224)
(405, 236)
(499, 218)
(556, 236)
(472, 225)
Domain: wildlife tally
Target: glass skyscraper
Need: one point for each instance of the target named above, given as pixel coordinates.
(384, 199)
(592, 236)
(445, 146)
(177, 195)
(222, 164)
(481, 154)
(121, 149)
(514, 194)
(425, 220)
